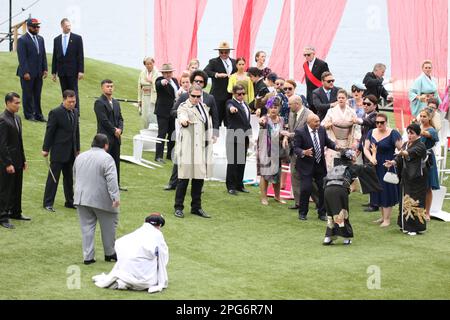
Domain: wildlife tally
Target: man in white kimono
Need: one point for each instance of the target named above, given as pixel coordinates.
(142, 258)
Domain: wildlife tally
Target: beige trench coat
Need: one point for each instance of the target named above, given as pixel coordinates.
(194, 146)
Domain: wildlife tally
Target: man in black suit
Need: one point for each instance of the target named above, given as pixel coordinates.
(200, 78)
(68, 59)
(110, 122)
(219, 70)
(314, 68)
(32, 70)
(166, 89)
(325, 97)
(237, 140)
(309, 144)
(12, 162)
(375, 82)
(260, 89)
(62, 140)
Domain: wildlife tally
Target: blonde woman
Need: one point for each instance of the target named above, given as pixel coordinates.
(147, 92)
(193, 65)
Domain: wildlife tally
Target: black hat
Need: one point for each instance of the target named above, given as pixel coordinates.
(156, 219)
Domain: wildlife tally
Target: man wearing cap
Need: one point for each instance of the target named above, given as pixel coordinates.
(219, 70)
(143, 256)
(32, 69)
(166, 89)
(314, 68)
(68, 59)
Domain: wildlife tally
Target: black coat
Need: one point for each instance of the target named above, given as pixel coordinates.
(108, 119)
(11, 144)
(318, 68)
(237, 123)
(62, 137)
(303, 141)
(219, 85)
(165, 98)
(73, 62)
(208, 99)
(321, 102)
(29, 60)
(374, 86)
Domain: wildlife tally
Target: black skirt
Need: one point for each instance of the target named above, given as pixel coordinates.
(336, 205)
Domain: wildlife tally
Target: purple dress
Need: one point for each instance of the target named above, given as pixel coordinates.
(389, 197)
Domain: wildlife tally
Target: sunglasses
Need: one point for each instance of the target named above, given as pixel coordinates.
(288, 89)
(380, 122)
(195, 96)
(330, 81)
(307, 54)
(199, 81)
(224, 52)
(367, 104)
(240, 94)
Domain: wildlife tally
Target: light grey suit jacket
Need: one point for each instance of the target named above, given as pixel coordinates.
(96, 183)
(294, 125)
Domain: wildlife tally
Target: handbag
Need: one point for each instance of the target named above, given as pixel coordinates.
(391, 177)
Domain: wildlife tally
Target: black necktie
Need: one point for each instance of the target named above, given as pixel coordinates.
(71, 117)
(17, 124)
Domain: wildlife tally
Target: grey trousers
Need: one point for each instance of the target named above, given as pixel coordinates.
(295, 180)
(88, 221)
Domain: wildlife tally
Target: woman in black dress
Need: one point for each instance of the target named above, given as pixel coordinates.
(413, 174)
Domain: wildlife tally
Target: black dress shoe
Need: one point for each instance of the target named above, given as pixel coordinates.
(366, 205)
(89, 261)
(42, 119)
(294, 207)
(233, 192)
(179, 214)
(31, 119)
(169, 187)
(323, 218)
(160, 160)
(303, 217)
(50, 209)
(70, 206)
(19, 217)
(371, 209)
(243, 190)
(7, 225)
(200, 213)
(111, 258)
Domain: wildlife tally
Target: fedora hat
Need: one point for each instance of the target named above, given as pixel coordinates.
(224, 46)
(167, 67)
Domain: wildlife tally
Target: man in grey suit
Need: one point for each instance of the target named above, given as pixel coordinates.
(297, 120)
(97, 197)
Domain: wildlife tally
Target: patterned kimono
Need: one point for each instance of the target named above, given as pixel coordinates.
(422, 85)
(343, 132)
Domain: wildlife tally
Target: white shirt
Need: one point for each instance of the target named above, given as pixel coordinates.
(311, 64)
(228, 66)
(312, 135)
(172, 83)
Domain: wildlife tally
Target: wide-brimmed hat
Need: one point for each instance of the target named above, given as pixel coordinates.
(31, 22)
(224, 46)
(167, 67)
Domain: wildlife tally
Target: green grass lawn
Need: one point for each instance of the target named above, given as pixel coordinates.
(245, 251)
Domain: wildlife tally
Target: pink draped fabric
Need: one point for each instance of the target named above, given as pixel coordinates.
(419, 33)
(316, 23)
(176, 26)
(247, 17)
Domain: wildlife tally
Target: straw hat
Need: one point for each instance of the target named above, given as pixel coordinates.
(167, 67)
(224, 46)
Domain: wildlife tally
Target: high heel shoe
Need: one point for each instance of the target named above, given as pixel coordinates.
(264, 202)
